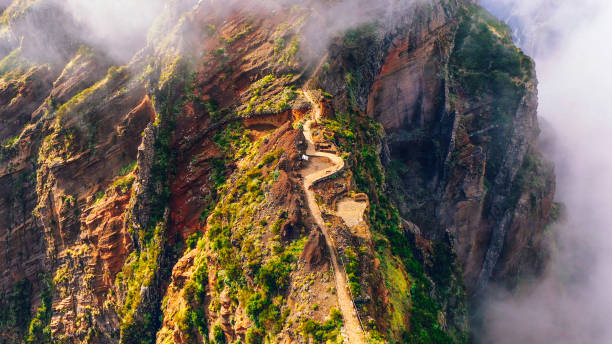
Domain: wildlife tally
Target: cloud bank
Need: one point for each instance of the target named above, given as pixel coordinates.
(119, 26)
(572, 304)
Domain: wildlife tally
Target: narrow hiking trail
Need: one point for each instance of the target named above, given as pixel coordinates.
(353, 331)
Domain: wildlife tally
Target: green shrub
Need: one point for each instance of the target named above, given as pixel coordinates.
(98, 197)
(39, 331)
(328, 332)
(10, 142)
(276, 226)
(218, 335)
(129, 168)
(124, 184)
(256, 304)
(13, 65)
(341, 126)
(233, 140)
(355, 36)
(268, 158)
(254, 335)
(193, 320)
(192, 240)
(352, 271)
(219, 170)
(274, 275)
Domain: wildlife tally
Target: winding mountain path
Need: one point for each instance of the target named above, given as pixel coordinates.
(352, 327)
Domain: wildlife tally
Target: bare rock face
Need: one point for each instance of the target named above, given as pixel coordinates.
(458, 150)
(315, 252)
(163, 201)
(406, 93)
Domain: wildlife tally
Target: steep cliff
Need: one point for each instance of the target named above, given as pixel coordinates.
(266, 173)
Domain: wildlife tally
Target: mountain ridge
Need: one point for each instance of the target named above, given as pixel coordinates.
(162, 201)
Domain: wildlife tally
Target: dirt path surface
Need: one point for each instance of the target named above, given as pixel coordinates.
(351, 211)
(353, 332)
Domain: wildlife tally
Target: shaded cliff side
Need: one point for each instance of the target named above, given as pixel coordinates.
(163, 201)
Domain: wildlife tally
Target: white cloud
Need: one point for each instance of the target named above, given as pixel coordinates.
(572, 304)
(119, 26)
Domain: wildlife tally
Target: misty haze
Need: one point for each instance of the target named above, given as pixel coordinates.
(301, 172)
(571, 302)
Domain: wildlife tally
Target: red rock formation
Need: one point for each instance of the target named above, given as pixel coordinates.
(162, 200)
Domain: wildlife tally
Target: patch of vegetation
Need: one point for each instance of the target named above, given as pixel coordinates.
(137, 273)
(192, 320)
(192, 240)
(39, 331)
(129, 168)
(486, 60)
(275, 101)
(344, 136)
(286, 51)
(273, 276)
(123, 184)
(213, 110)
(261, 309)
(234, 141)
(287, 96)
(85, 51)
(245, 31)
(10, 142)
(218, 335)
(269, 157)
(15, 10)
(58, 146)
(277, 225)
(99, 89)
(398, 284)
(245, 269)
(63, 142)
(254, 335)
(354, 37)
(98, 197)
(219, 52)
(352, 271)
(328, 332)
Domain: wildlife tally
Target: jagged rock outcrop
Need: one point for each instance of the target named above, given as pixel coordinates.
(163, 201)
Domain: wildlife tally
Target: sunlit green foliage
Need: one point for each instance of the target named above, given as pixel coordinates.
(10, 142)
(193, 319)
(137, 273)
(328, 332)
(276, 100)
(39, 331)
(352, 271)
(233, 140)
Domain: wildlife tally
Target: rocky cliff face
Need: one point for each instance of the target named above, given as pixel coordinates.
(163, 201)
